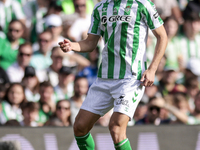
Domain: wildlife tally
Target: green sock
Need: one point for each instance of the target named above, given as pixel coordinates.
(85, 142)
(123, 145)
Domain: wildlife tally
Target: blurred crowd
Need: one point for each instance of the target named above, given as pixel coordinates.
(42, 86)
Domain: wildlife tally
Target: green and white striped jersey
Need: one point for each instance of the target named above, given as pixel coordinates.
(123, 24)
(9, 10)
(189, 48)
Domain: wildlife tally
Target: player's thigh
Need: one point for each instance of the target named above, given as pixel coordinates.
(127, 96)
(99, 100)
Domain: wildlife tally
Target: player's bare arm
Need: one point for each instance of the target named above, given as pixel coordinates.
(149, 75)
(87, 45)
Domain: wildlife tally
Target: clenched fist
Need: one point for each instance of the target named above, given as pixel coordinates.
(65, 45)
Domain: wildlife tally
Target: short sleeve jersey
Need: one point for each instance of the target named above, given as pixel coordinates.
(123, 24)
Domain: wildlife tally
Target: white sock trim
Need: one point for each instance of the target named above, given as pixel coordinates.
(80, 137)
(122, 143)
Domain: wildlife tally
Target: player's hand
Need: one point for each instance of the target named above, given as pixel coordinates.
(65, 45)
(148, 78)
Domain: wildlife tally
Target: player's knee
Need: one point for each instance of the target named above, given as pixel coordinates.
(79, 128)
(114, 128)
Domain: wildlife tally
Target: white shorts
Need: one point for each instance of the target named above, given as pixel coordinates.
(122, 94)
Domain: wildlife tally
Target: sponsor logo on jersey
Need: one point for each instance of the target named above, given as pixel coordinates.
(115, 11)
(116, 18)
(122, 101)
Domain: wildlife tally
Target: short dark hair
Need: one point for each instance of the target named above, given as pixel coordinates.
(19, 21)
(47, 31)
(46, 84)
(25, 44)
(32, 106)
(191, 12)
(9, 88)
(79, 77)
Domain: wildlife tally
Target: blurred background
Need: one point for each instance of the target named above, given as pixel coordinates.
(40, 86)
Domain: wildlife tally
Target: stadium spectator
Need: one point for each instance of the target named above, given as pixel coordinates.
(55, 7)
(189, 45)
(30, 111)
(90, 72)
(10, 145)
(80, 91)
(57, 62)
(3, 89)
(151, 92)
(10, 9)
(191, 70)
(61, 116)
(173, 47)
(12, 122)
(140, 111)
(64, 89)
(182, 4)
(191, 118)
(153, 115)
(69, 8)
(168, 84)
(59, 59)
(159, 72)
(192, 86)
(42, 55)
(53, 22)
(9, 45)
(47, 102)
(167, 8)
(181, 102)
(16, 70)
(12, 103)
(31, 84)
(4, 79)
(79, 28)
(35, 11)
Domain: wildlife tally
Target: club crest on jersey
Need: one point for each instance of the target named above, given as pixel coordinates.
(127, 9)
(115, 18)
(104, 9)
